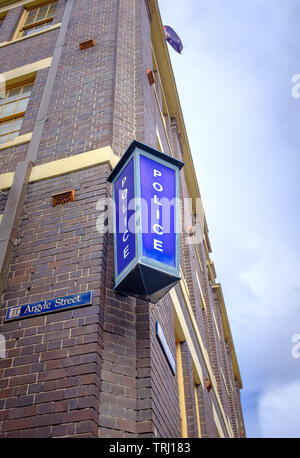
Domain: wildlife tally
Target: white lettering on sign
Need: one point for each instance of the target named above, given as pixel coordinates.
(61, 301)
(37, 308)
(158, 187)
(157, 228)
(159, 204)
(125, 237)
(158, 245)
(156, 201)
(126, 251)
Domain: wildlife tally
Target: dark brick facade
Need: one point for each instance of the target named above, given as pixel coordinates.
(99, 371)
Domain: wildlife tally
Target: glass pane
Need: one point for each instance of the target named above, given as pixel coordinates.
(39, 27)
(5, 127)
(4, 139)
(17, 124)
(27, 32)
(8, 109)
(48, 24)
(31, 16)
(32, 30)
(13, 94)
(13, 136)
(42, 13)
(22, 105)
(52, 9)
(26, 90)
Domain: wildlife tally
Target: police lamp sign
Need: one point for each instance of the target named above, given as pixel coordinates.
(146, 222)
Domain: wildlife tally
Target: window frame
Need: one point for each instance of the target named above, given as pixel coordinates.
(196, 387)
(18, 114)
(181, 393)
(19, 33)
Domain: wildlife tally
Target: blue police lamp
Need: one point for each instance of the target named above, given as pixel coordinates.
(146, 222)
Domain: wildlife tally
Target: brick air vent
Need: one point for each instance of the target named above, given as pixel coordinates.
(63, 198)
(150, 77)
(190, 231)
(87, 44)
(208, 384)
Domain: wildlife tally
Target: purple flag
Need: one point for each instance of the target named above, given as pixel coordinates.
(173, 39)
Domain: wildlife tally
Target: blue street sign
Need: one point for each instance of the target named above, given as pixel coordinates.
(49, 306)
(146, 221)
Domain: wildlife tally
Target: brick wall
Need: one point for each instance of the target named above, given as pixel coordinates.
(52, 376)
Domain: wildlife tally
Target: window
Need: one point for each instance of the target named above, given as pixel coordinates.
(224, 381)
(183, 418)
(36, 19)
(158, 141)
(219, 429)
(12, 110)
(203, 304)
(197, 409)
(216, 324)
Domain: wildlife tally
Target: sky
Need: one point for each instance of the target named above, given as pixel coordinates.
(242, 115)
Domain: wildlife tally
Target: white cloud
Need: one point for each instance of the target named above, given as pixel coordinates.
(278, 411)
